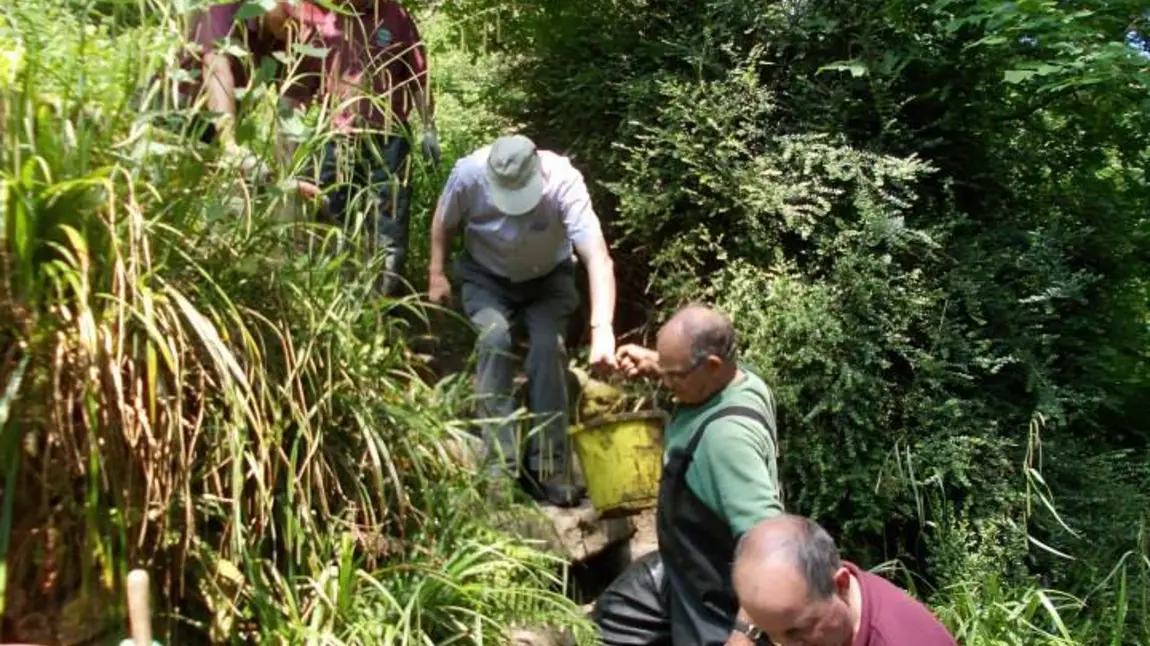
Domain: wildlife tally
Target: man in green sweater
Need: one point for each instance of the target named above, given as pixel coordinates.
(720, 478)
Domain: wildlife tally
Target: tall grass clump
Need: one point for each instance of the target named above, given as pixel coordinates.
(989, 598)
(192, 383)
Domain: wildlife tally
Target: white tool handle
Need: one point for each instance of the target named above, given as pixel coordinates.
(139, 613)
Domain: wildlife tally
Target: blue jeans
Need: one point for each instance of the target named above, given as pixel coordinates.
(371, 175)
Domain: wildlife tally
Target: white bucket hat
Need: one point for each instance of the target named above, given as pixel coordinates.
(514, 176)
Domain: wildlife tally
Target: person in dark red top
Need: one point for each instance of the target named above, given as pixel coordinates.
(373, 76)
(208, 68)
(366, 66)
(796, 589)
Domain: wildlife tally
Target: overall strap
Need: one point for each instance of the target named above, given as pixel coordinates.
(729, 411)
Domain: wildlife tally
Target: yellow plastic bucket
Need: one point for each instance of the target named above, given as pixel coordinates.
(622, 460)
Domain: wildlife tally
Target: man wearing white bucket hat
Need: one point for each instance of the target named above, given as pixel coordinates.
(525, 212)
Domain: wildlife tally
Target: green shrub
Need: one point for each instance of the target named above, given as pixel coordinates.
(927, 220)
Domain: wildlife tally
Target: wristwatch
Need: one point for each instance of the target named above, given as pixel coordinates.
(750, 630)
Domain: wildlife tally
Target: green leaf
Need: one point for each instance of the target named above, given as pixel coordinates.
(1017, 76)
(990, 40)
(856, 68)
(267, 70)
(235, 51)
(254, 9)
(293, 126)
(308, 50)
(10, 442)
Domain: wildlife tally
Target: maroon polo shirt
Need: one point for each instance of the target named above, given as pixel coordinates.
(217, 26)
(374, 50)
(890, 617)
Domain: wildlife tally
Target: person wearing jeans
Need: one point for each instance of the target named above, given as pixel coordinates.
(210, 68)
(369, 174)
(370, 74)
(373, 74)
(524, 213)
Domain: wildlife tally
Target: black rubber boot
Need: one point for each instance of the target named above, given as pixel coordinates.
(555, 490)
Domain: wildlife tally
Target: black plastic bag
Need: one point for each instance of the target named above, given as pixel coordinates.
(635, 609)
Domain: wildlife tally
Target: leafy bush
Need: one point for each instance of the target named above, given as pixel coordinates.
(927, 222)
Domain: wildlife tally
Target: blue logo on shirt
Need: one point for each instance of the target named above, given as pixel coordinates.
(383, 37)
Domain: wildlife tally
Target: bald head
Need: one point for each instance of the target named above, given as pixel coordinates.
(696, 353)
(706, 332)
(792, 584)
(792, 543)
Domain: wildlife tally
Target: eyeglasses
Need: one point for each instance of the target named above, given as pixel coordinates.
(680, 373)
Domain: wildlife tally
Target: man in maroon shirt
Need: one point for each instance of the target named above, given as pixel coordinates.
(367, 66)
(795, 588)
(209, 69)
(373, 75)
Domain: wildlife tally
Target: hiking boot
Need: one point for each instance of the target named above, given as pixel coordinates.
(557, 489)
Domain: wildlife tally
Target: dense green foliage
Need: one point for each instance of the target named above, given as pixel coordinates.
(929, 221)
(196, 383)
